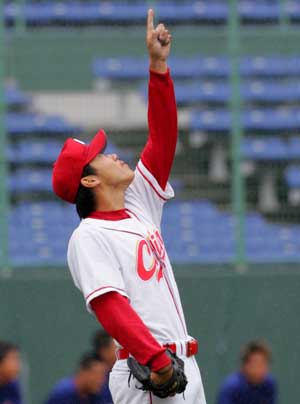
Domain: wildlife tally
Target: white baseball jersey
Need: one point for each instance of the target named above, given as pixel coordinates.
(128, 256)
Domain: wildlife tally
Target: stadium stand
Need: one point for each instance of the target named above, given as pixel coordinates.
(133, 12)
(46, 227)
(270, 118)
(274, 107)
(198, 67)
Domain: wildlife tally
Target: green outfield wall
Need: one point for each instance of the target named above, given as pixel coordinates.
(46, 316)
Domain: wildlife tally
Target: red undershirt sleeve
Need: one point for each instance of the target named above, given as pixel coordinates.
(159, 152)
(120, 320)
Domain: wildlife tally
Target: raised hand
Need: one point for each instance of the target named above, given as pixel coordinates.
(158, 43)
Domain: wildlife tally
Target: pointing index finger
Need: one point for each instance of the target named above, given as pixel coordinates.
(150, 20)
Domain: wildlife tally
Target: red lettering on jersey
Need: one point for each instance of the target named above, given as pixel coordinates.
(144, 272)
(155, 250)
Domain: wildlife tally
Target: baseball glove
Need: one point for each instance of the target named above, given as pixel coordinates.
(175, 385)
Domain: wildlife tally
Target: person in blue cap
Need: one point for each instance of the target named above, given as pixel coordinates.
(253, 383)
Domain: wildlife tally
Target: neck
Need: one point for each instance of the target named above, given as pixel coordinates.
(109, 200)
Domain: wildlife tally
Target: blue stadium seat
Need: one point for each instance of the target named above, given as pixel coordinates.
(37, 151)
(39, 233)
(125, 68)
(46, 151)
(214, 11)
(261, 119)
(201, 92)
(294, 147)
(292, 8)
(270, 66)
(211, 120)
(14, 97)
(258, 91)
(292, 176)
(24, 123)
(134, 12)
(30, 180)
(261, 11)
(265, 149)
(271, 92)
(114, 12)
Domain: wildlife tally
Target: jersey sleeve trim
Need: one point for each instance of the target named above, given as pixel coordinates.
(102, 291)
(166, 194)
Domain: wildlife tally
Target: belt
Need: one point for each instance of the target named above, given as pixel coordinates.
(185, 348)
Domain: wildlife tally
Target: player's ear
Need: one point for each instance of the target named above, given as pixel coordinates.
(90, 181)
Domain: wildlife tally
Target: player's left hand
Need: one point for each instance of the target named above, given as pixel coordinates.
(158, 40)
(173, 383)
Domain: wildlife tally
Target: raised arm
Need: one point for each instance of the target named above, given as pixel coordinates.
(158, 154)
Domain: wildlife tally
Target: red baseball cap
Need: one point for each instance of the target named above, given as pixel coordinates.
(74, 156)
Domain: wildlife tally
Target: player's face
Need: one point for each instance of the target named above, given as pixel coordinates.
(111, 170)
(10, 366)
(256, 368)
(95, 377)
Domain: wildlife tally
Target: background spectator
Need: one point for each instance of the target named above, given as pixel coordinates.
(105, 348)
(10, 365)
(253, 383)
(85, 386)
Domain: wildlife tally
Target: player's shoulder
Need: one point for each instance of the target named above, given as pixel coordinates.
(84, 230)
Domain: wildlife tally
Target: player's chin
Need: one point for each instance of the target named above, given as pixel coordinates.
(128, 175)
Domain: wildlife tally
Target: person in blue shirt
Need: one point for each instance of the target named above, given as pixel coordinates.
(10, 365)
(105, 348)
(253, 383)
(85, 387)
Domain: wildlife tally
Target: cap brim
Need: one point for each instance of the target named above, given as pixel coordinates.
(96, 146)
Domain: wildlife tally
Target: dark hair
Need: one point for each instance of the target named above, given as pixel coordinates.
(87, 360)
(254, 347)
(101, 340)
(85, 198)
(5, 348)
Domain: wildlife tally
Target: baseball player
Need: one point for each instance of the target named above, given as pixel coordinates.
(117, 256)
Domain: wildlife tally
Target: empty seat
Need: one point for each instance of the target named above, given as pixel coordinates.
(44, 231)
(256, 119)
(292, 176)
(29, 123)
(127, 68)
(14, 97)
(265, 149)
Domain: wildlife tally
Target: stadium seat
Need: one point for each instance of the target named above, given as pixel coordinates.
(256, 119)
(14, 97)
(265, 149)
(30, 180)
(42, 229)
(292, 176)
(88, 12)
(113, 12)
(259, 12)
(30, 123)
(218, 92)
(127, 68)
(35, 151)
(46, 151)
